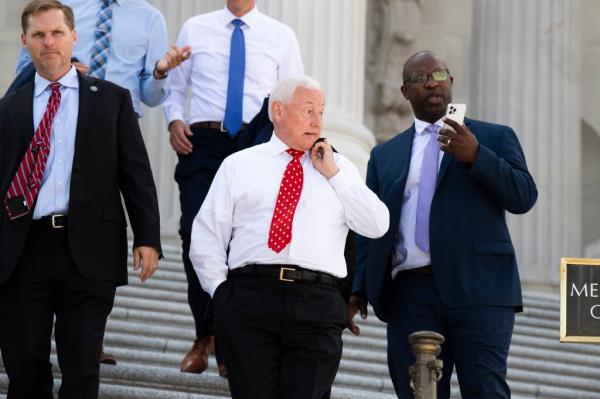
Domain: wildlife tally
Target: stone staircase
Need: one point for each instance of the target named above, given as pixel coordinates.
(151, 328)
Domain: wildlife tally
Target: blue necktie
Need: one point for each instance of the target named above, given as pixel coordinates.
(235, 84)
(102, 43)
(429, 171)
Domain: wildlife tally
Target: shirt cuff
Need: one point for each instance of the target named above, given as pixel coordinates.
(341, 180)
(174, 115)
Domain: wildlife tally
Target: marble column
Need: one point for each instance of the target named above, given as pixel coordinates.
(332, 37)
(526, 62)
(332, 40)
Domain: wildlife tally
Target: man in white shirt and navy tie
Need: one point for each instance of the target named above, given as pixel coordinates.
(268, 245)
(237, 56)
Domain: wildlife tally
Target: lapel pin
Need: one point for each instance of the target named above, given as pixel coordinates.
(93, 88)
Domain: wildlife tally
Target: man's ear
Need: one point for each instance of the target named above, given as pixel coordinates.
(404, 92)
(23, 40)
(277, 110)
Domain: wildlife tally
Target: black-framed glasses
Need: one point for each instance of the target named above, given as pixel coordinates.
(439, 75)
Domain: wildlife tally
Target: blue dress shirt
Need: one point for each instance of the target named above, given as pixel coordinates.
(139, 39)
(53, 197)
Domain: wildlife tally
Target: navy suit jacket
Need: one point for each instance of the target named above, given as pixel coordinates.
(472, 255)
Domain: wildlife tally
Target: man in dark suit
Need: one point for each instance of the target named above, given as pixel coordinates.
(70, 147)
(447, 263)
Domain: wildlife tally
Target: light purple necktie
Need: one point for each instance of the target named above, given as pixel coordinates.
(429, 171)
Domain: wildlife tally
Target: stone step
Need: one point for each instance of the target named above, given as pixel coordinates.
(151, 328)
(139, 305)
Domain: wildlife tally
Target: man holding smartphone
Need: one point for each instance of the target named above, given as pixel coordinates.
(447, 263)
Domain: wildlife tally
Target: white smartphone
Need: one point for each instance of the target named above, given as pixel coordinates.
(456, 112)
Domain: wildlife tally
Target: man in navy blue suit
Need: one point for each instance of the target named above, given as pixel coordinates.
(447, 263)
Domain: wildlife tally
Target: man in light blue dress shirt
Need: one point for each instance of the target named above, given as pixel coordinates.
(139, 57)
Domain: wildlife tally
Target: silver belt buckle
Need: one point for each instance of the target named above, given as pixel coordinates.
(223, 128)
(54, 225)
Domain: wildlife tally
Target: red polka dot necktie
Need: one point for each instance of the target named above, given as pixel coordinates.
(280, 233)
(27, 181)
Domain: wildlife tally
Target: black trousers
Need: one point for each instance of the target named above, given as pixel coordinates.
(279, 340)
(194, 174)
(46, 284)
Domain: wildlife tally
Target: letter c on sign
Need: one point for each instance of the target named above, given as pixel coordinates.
(595, 312)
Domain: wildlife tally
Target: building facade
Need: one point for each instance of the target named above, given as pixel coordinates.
(529, 64)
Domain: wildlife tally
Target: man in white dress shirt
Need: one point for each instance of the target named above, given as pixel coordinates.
(268, 245)
(238, 54)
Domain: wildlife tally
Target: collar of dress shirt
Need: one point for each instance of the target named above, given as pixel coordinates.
(249, 18)
(69, 79)
(277, 146)
(420, 125)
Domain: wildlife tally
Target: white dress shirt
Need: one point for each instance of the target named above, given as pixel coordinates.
(272, 53)
(236, 215)
(53, 197)
(407, 254)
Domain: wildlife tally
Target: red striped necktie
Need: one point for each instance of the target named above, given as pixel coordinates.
(280, 233)
(26, 184)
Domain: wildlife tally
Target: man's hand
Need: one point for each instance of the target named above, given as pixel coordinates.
(460, 143)
(81, 67)
(179, 132)
(321, 156)
(357, 303)
(170, 60)
(147, 259)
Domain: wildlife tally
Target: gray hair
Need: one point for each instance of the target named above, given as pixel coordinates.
(285, 88)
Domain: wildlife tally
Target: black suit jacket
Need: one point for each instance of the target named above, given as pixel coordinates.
(110, 160)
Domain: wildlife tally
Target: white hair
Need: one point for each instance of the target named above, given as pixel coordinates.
(285, 88)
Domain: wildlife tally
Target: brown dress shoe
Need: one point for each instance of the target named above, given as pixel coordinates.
(107, 358)
(196, 360)
(222, 370)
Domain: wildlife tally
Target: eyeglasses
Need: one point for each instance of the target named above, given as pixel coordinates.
(439, 75)
(310, 112)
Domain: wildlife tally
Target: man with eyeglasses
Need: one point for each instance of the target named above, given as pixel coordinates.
(447, 264)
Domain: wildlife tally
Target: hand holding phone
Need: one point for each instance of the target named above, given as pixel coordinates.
(319, 150)
(322, 158)
(455, 138)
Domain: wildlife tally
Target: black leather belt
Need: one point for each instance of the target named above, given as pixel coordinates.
(427, 269)
(286, 273)
(212, 125)
(53, 221)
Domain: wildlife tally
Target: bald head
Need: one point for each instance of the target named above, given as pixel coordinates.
(414, 61)
(427, 85)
